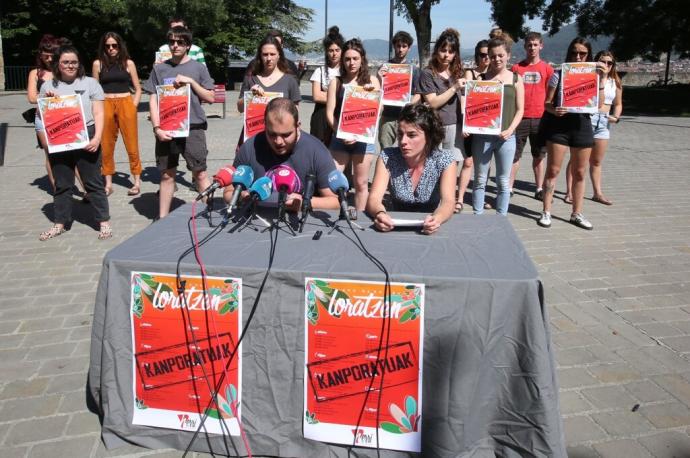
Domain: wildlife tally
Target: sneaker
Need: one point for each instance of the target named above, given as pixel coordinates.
(545, 220)
(580, 221)
(539, 194)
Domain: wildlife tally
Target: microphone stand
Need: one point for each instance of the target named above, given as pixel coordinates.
(342, 217)
(282, 218)
(249, 220)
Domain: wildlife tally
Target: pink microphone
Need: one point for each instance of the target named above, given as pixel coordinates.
(286, 181)
(221, 179)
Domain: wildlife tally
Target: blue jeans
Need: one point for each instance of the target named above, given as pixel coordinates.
(483, 147)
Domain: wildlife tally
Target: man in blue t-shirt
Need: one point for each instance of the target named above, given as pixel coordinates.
(283, 142)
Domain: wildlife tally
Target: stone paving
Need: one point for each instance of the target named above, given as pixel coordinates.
(618, 296)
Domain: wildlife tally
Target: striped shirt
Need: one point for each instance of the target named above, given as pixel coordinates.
(195, 53)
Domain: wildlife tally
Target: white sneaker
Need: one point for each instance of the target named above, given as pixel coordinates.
(545, 220)
(580, 221)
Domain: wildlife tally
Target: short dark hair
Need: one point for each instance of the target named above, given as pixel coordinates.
(66, 49)
(533, 36)
(181, 32)
(427, 119)
(403, 36)
(175, 19)
(281, 105)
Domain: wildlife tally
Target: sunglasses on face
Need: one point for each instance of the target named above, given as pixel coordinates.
(172, 42)
(111, 46)
(580, 53)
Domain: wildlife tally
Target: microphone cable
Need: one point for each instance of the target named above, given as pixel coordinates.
(385, 330)
(273, 246)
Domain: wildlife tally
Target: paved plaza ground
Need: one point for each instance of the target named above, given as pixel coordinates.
(618, 296)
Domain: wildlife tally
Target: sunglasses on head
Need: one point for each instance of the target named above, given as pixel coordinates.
(111, 46)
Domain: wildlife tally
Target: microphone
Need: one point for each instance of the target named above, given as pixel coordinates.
(261, 189)
(309, 188)
(221, 179)
(241, 180)
(286, 181)
(337, 182)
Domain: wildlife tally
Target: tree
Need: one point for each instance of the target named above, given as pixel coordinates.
(419, 13)
(644, 28)
(215, 24)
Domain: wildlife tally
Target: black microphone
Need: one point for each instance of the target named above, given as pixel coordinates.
(309, 189)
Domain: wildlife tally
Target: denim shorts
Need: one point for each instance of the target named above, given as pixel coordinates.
(339, 146)
(38, 124)
(600, 125)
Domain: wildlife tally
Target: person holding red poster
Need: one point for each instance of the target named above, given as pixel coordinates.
(563, 130)
(536, 74)
(69, 77)
(441, 85)
(178, 71)
(502, 147)
(270, 73)
(320, 79)
(419, 174)
(354, 71)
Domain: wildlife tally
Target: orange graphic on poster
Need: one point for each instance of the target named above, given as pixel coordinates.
(397, 84)
(483, 107)
(183, 344)
(254, 110)
(350, 363)
(173, 109)
(580, 87)
(63, 118)
(359, 114)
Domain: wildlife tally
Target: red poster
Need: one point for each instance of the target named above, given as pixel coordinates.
(63, 118)
(483, 107)
(343, 363)
(580, 87)
(182, 345)
(173, 109)
(254, 110)
(360, 114)
(397, 85)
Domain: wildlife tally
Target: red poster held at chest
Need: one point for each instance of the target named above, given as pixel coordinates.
(580, 87)
(254, 111)
(397, 85)
(173, 109)
(483, 107)
(183, 344)
(359, 115)
(63, 118)
(346, 373)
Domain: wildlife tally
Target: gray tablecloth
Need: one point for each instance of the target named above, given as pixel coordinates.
(489, 381)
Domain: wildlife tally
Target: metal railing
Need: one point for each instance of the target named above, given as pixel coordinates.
(16, 77)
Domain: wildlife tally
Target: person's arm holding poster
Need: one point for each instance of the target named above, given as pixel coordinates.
(150, 87)
(550, 96)
(200, 88)
(331, 95)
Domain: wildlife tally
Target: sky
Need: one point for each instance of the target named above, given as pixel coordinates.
(368, 19)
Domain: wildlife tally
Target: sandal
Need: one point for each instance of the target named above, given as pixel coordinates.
(106, 232)
(602, 200)
(567, 199)
(52, 233)
(458, 206)
(134, 191)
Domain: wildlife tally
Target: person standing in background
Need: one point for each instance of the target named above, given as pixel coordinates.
(320, 79)
(117, 73)
(536, 75)
(195, 52)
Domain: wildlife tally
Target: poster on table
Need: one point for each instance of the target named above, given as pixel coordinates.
(162, 56)
(182, 345)
(580, 87)
(173, 109)
(483, 107)
(64, 121)
(254, 110)
(359, 116)
(397, 85)
(348, 360)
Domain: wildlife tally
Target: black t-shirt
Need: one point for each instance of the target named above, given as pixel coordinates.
(308, 156)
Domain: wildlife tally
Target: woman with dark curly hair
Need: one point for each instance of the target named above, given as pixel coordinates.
(441, 85)
(333, 46)
(354, 71)
(418, 173)
(117, 73)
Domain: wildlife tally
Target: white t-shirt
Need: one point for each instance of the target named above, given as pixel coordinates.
(325, 80)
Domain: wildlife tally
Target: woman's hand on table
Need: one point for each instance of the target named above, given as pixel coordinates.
(431, 225)
(383, 222)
